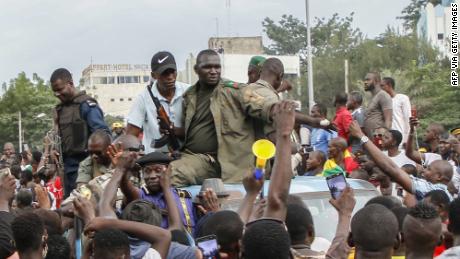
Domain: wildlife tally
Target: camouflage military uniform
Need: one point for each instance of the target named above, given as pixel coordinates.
(89, 169)
(241, 115)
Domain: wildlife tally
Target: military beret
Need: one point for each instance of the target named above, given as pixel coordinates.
(257, 61)
(154, 158)
(455, 131)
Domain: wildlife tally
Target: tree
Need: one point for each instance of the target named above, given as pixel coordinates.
(30, 98)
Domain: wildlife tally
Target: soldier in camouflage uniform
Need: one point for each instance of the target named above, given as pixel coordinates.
(222, 121)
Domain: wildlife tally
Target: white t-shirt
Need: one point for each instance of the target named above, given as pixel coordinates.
(143, 113)
(401, 159)
(401, 114)
(431, 157)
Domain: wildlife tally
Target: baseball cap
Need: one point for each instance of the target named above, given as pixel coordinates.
(162, 61)
(257, 61)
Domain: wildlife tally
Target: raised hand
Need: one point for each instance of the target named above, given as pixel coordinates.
(345, 203)
(251, 184)
(209, 201)
(284, 117)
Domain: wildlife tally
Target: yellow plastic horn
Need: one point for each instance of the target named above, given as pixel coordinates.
(263, 149)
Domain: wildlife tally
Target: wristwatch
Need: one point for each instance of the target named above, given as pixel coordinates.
(324, 122)
(364, 139)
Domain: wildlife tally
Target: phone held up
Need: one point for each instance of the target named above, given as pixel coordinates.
(336, 183)
(208, 246)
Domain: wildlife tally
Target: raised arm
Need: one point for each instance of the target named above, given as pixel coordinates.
(410, 152)
(158, 237)
(388, 167)
(252, 187)
(123, 161)
(173, 211)
(284, 118)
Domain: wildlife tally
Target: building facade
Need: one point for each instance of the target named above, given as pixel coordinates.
(115, 86)
(434, 25)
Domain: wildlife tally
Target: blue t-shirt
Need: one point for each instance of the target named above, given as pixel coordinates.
(320, 139)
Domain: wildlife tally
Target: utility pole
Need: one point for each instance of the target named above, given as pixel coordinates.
(346, 75)
(311, 98)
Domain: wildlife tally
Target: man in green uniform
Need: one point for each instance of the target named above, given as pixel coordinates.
(98, 162)
(254, 68)
(222, 121)
(219, 126)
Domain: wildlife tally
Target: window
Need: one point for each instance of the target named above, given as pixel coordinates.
(121, 99)
(129, 99)
(111, 80)
(112, 100)
(121, 79)
(136, 79)
(100, 80)
(146, 79)
(440, 36)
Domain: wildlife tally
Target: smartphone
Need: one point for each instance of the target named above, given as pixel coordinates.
(208, 246)
(26, 147)
(413, 112)
(336, 184)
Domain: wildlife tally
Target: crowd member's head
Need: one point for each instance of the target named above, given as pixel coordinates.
(62, 85)
(228, 228)
(439, 171)
(58, 247)
(319, 111)
(300, 224)
(153, 166)
(117, 127)
(355, 100)
(8, 150)
(444, 146)
(374, 231)
(266, 238)
(110, 244)
(454, 217)
(422, 230)
(388, 85)
(371, 81)
(433, 132)
(456, 133)
(36, 157)
(410, 169)
(16, 171)
(439, 200)
(142, 211)
(29, 235)
(388, 202)
(24, 198)
(98, 143)
(51, 220)
(316, 160)
(25, 177)
(129, 143)
(254, 68)
(400, 213)
(208, 67)
(164, 69)
(391, 139)
(340, 99)
(336, 148)
(359, 174)
(272, 72)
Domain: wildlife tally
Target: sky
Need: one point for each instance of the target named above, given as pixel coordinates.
(40, 36)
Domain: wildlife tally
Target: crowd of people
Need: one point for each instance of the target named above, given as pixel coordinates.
(100, 193)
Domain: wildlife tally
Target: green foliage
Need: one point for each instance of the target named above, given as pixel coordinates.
(30, 97)
(411, 13)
